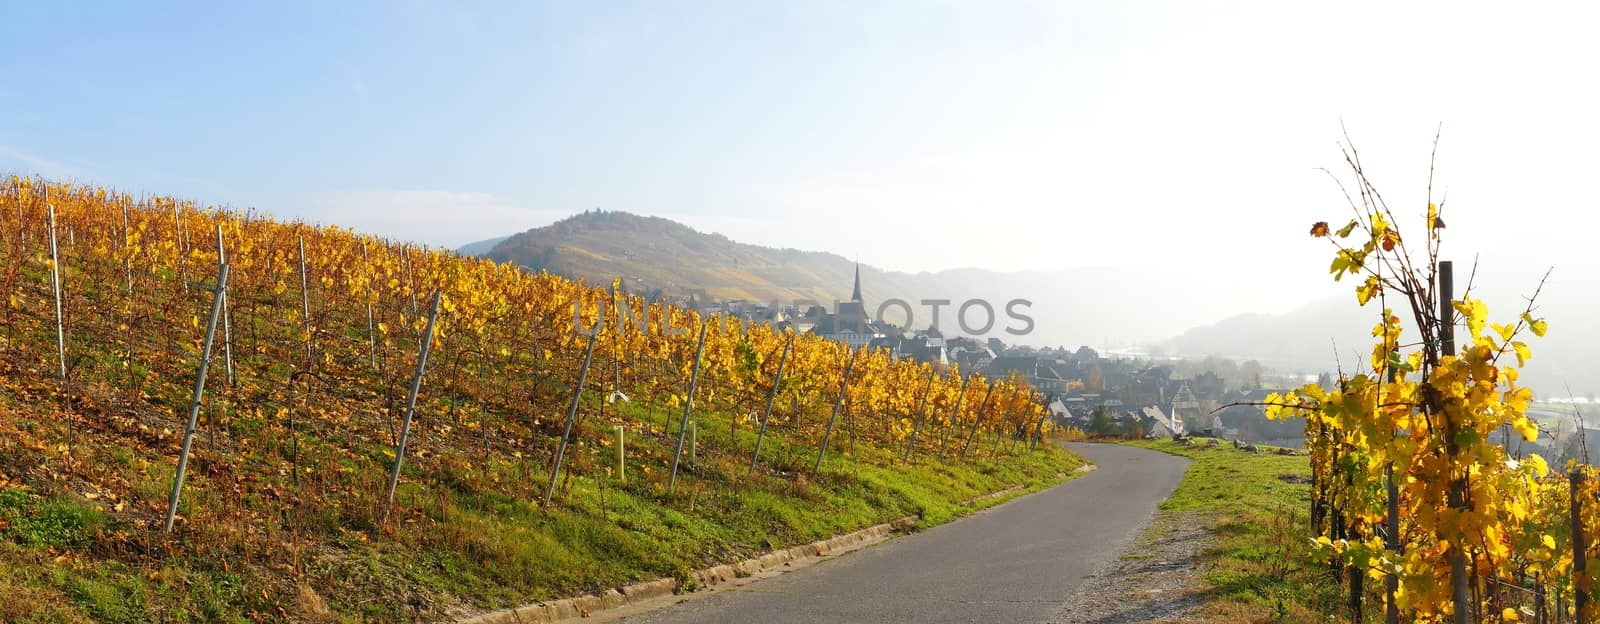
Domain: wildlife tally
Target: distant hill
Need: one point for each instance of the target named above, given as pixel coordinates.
(480, 248)
(653, 254)
(1303, 340)
(1070, 307)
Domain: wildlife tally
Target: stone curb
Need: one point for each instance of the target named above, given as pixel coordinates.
(588, 605)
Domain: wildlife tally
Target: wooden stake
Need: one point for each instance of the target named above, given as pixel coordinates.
(1580, 544)
(1460, 597)
(128, 262)
(372, 339)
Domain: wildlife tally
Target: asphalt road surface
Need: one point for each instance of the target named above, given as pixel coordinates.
(1015, 562)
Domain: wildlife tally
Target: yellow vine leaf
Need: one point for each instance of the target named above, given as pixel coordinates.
(1540, 468)
(1526, 427)
(1538, 326)
(1367, 291)
(1522, 352)
(1474, 312)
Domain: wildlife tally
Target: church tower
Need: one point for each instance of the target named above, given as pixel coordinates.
(849, 322)
(853, 313)
(855, 295)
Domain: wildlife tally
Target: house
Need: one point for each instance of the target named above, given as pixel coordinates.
(1159, 424)
(762, 313)
(1186, 409)
(1085, 355)
(807, 320)
(855, 334)
(1046, 379)
(919, 348)
(967, 353)
(1035, 369)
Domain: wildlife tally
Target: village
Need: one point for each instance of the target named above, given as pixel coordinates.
(1102, 396)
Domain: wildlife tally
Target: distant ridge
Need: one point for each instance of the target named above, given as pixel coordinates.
(654, 255)
(481, 248)
(1303, 339)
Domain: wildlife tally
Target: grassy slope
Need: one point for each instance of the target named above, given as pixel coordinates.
(68, 557)
(1260, 570)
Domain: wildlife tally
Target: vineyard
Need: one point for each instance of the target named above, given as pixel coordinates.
(1420, 515)
(213, 415)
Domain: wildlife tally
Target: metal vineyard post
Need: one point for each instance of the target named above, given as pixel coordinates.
(199, 393)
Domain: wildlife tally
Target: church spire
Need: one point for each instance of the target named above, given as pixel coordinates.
(855, 295)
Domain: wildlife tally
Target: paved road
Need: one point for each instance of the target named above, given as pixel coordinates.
(1016, 562)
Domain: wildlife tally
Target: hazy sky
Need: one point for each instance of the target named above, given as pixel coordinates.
(914, 135)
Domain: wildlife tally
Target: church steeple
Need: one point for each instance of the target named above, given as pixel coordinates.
(855, 295)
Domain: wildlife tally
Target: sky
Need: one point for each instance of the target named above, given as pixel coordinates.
(918, 136)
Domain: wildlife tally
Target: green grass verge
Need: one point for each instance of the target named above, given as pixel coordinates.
(470, 537)
(1258, 506)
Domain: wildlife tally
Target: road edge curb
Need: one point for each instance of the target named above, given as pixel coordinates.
(588, 605)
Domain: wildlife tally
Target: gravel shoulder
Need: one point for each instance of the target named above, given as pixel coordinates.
(1158, 577)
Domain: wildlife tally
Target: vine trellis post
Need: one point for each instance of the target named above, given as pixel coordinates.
(977, 419)
(227, 327)
(572, 408)
(198, 395)
(955, 414)
(777, 381)
(688, 406)
(1456, 497)
(411, 400)
(844, 390)
(922, 407)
